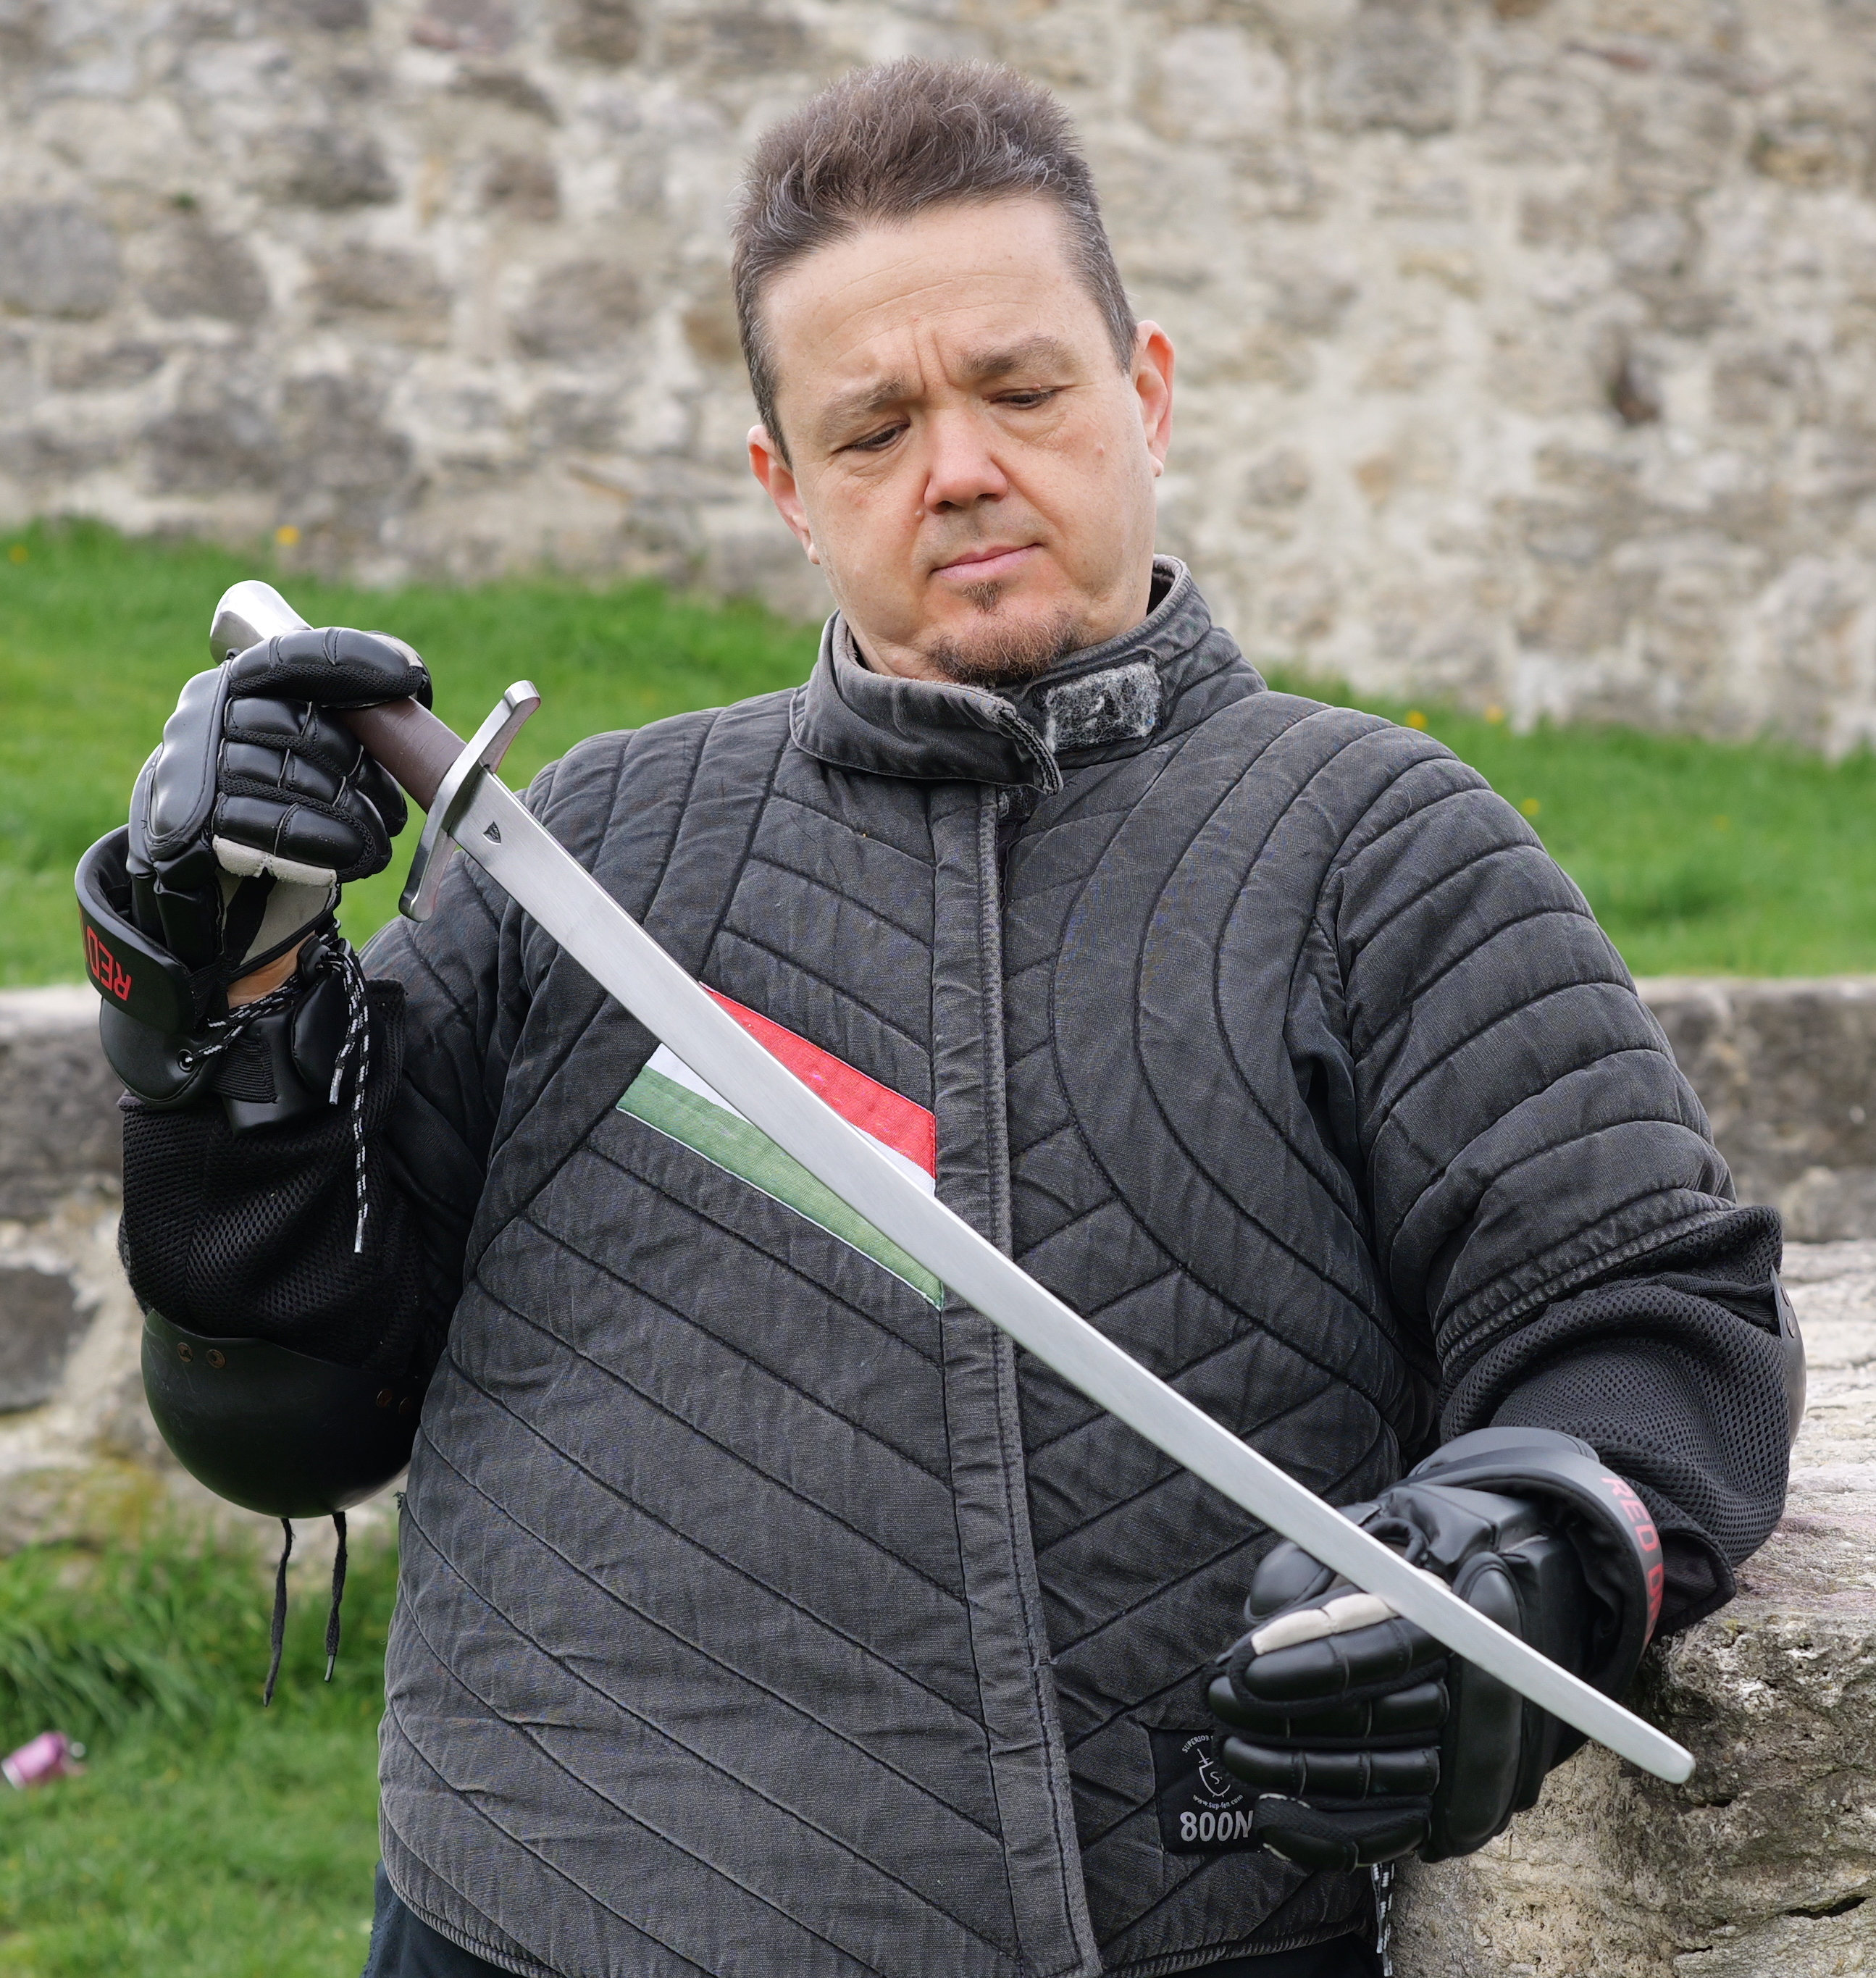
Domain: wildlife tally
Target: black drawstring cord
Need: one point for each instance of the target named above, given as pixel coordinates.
(221, 1034)
(358, 1044)
(339, 1594)
(279, 1613)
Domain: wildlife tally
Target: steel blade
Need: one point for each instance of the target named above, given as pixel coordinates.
(496, 830)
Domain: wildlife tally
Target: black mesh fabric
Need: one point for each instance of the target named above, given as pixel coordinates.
(1656, 1369)
(250, 1235)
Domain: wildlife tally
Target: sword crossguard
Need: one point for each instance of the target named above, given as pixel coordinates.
(450, 795)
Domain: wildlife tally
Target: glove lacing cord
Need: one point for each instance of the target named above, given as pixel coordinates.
(222, 1033)
(358, 1044)
(277, 1633)
(1382, 1873)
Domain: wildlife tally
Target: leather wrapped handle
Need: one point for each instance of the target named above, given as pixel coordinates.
(410, 742)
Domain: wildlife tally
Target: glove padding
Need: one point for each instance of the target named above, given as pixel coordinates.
(259, 803)
(1364, 1738)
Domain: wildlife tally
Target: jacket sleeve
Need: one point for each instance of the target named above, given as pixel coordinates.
(252, 1235)
(1550, 1216)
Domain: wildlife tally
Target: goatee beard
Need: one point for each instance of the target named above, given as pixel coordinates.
(1004, 656)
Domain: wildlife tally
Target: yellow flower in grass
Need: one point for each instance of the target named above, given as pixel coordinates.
(1530, 806)
(287, 535)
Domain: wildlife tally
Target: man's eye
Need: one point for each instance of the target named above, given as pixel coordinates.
(875, 442)
(1025, 401)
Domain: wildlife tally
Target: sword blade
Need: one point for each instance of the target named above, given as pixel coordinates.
(531, 865)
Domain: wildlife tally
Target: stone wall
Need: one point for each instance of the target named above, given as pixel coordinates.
(1528, 347)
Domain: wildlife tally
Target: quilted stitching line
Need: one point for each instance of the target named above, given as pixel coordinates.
(741, 1675)
(603, 1001)
(735, 1457)
(684, 1539)
(1175, 1471)
(800, 968)
(1378, 1043)
(625, 1812)
(1204, 1565)
(737, 1236)
(1351, 1297)
(827, 816)
(919, 937)
(1386, 1117)
(489, 1953)
(817, 1403)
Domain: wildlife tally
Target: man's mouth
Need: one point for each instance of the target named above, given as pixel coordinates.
(989, 564)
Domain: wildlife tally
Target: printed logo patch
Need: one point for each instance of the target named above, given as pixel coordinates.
(670, 1098)
(1202, 1809)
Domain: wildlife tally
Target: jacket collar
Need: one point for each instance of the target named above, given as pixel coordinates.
(1108, 699)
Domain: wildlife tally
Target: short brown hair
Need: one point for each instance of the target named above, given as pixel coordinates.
(888, 142)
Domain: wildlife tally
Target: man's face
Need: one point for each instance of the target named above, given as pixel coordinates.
(968, 462)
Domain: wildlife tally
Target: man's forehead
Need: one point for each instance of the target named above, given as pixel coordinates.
(988, 289)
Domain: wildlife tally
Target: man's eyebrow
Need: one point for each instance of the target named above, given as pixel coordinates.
(861, 403)
(1040, 353)
(864, 400)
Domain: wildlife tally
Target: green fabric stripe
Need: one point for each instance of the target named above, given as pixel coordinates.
(747, 1152)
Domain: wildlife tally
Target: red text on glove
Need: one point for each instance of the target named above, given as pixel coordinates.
(1639, 1515)
(105, 968)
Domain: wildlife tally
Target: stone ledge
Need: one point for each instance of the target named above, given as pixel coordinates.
(1787, 1072)
(1763, 1864)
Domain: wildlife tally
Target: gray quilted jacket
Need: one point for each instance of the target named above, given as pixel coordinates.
(761, 1615)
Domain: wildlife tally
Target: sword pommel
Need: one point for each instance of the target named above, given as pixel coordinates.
(411, 742)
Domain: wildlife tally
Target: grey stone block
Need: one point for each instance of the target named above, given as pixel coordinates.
(1393, 70)
(583, 309)
(330, 169)
(195, 271)
(56, 258)
(40, 1321)
(1787, 1072)
(609, 31)
(59, 1126)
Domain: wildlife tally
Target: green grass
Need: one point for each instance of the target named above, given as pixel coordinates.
(206, 1838)
(97, 635)
(1756, 859)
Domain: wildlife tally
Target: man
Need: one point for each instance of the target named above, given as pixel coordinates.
(763, 1613)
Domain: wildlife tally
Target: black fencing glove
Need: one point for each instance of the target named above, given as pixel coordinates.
(258, 804)
(1363, 1738)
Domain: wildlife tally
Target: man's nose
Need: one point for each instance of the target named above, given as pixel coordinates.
(961, 466)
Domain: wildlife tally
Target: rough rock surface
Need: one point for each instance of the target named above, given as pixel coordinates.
(1787, 1072)
(1528, 348)
(1763, 1864)
(73, 1425)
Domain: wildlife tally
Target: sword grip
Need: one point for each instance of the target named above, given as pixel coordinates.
(410, 742)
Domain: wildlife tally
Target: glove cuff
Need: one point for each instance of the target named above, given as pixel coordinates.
(1601, 1514)
(272, 1061)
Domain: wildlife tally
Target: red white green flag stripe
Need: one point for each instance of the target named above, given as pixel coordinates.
(670, 1098)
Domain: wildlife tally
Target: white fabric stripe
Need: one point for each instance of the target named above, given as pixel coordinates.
(666, 1061)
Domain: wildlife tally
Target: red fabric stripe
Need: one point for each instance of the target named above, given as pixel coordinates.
(863, 1102)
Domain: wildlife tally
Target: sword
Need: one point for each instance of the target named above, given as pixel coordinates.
(469, 806)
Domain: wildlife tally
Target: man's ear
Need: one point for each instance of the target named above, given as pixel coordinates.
(769, 466)
(1153, 384)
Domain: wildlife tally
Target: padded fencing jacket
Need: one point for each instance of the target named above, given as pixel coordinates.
(764, 1612)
